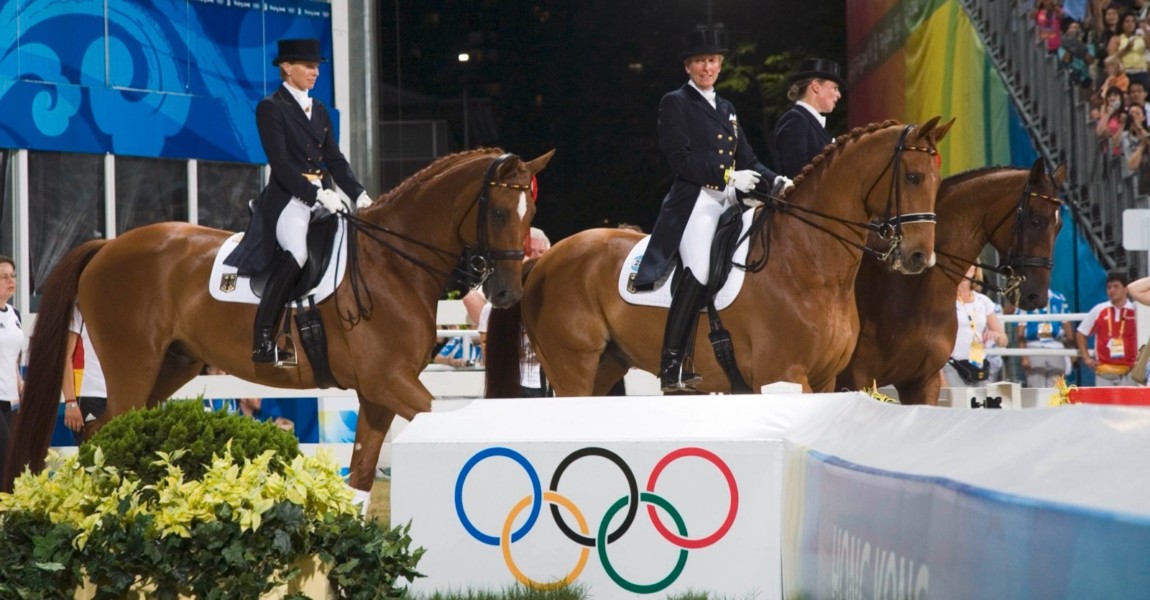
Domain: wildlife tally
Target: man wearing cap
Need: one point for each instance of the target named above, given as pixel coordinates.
(708, 151)
(297, 136)
(801, 133)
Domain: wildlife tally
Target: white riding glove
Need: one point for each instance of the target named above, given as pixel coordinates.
(782, 184)
(745, 180)
(331, 201)
(363, 201)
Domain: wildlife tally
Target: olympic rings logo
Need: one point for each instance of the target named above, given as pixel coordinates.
(602, 537)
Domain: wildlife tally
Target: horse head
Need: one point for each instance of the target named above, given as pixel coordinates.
(903, 197)
(506, 205)
(1030, 243)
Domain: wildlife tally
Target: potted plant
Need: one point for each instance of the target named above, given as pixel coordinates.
(178, 502)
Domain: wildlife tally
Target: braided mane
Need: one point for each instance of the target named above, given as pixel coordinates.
(837, 146)
(434, 169)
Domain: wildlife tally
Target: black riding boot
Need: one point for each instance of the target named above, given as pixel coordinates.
(283, 277)
(681, 319)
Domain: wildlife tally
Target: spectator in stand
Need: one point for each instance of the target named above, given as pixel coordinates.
(1130, 48)
(1134, 140)
(1103, 30)
(1113, 326)
(1042, 371)
(1048, 17)
(1136, 95)
(1116, 78)
(1111, 123)
(994, 361)
(1075, 55)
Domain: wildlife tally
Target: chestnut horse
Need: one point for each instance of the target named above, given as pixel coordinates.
(153, 323)
(795, 318)
(907, 323)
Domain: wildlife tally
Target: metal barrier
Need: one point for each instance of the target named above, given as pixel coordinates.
(1053, 110)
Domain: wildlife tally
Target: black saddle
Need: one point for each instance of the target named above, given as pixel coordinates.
(320, 237)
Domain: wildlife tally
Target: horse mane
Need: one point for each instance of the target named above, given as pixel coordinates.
(434, 169)
(977, 171)
(836, 146)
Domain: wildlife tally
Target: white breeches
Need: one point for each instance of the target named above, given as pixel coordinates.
(695, 246)
(291, 229)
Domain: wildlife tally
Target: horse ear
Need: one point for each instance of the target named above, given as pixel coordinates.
(940, 131)
(1060, 175)
(924, 130)
(537, 165)
(1037, 170)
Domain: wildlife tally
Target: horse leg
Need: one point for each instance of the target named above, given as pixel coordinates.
(922, 390)
(175, 371)
(370, 429)
(609, 373)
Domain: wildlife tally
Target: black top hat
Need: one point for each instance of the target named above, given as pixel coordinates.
(704, 41)
(818, 68)
(303, 50)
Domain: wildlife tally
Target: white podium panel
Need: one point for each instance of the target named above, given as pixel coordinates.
(626, 496)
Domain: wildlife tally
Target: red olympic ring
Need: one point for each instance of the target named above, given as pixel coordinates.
(711, 457)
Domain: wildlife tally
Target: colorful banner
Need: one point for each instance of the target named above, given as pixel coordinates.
(912, 60)
(147, 78)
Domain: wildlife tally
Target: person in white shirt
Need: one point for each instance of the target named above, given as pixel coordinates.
(12, 345)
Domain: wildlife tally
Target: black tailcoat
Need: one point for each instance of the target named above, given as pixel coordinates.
(799, 137)
(700, 143)
(294, 145)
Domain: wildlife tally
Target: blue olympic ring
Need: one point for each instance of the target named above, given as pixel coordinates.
(536, 494)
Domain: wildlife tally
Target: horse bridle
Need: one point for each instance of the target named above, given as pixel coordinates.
(890, 228)
(1016, 258)
(481, 260)
(477, 264)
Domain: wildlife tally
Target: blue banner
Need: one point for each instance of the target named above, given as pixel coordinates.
(152, 78)
(869, 533)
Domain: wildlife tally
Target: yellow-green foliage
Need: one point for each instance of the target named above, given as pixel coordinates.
(234, 530)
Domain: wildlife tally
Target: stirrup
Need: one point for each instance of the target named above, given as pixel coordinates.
(681, 385)
(286, 358)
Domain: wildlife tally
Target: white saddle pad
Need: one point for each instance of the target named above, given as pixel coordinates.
(225, 285)
(661, 295)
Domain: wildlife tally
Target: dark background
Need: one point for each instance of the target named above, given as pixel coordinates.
(585, 77)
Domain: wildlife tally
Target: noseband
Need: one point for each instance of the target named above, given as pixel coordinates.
(890, 228)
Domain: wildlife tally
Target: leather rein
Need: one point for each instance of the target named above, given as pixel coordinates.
(473, 266)
(889, 228)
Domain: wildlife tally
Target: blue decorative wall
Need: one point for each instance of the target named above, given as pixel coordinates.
(153, 78)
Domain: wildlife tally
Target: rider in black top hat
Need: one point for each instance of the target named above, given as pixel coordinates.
(801, 131)
(708, 151)
(298, 138)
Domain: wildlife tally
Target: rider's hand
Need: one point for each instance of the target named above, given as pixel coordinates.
(745, 180)
(331, 201)
(363, 201)
(783, 185)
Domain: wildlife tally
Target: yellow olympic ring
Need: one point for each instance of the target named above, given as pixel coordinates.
(505, 542)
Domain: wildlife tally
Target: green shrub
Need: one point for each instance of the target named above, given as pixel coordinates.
(236, 530)
(130, 441)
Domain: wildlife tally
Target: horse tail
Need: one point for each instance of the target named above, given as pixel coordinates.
(32, 429)
(505, 348)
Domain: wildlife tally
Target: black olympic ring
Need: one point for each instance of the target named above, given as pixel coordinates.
(633, 488)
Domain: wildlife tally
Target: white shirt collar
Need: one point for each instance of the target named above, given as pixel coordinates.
(301, 98)
(820, 117)
(708, 95)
